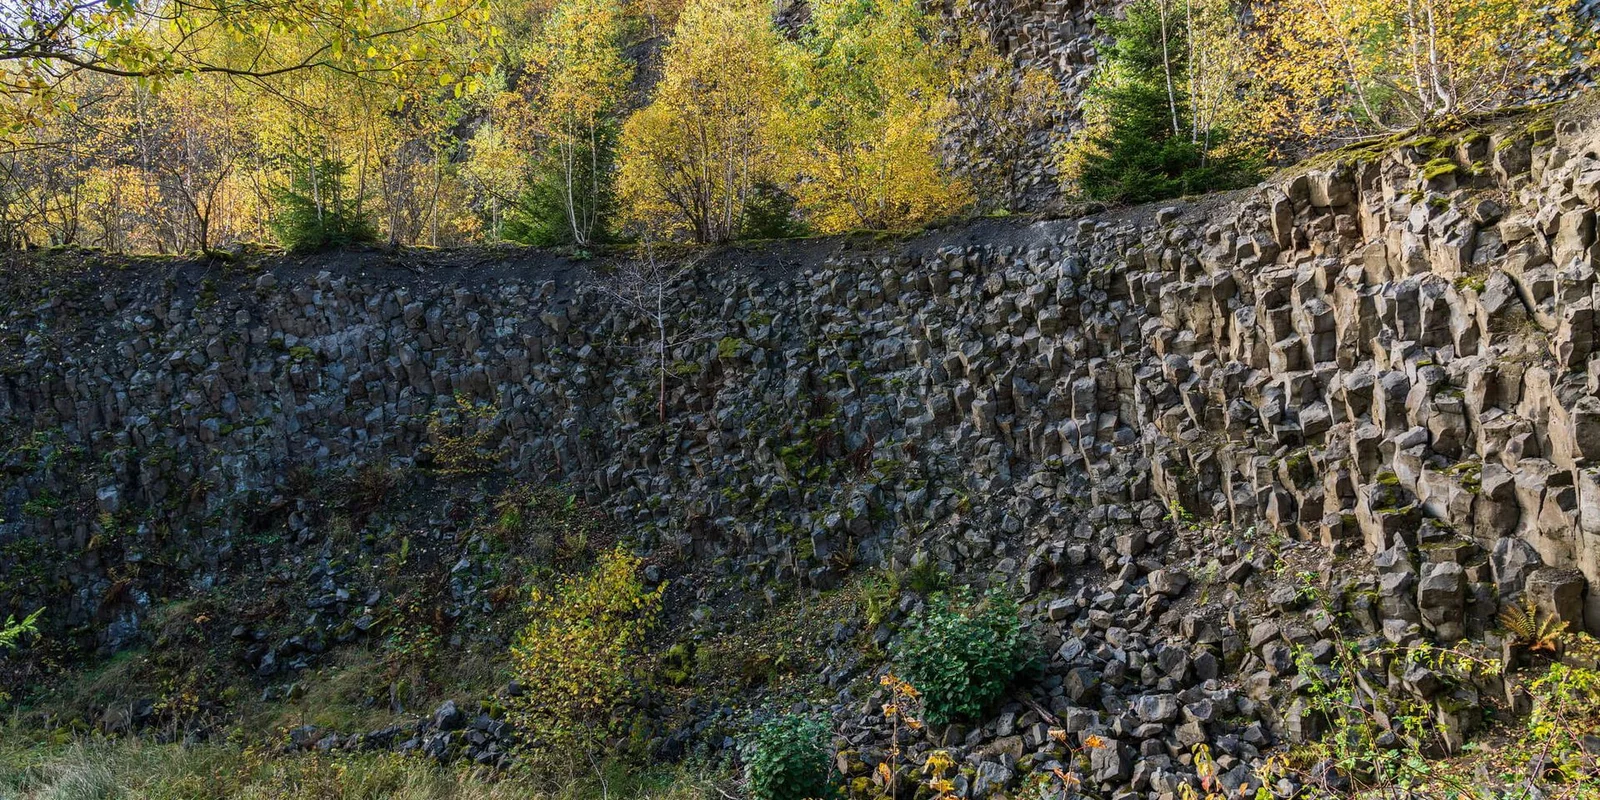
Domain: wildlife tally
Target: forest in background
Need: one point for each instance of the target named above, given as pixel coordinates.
(178, 126)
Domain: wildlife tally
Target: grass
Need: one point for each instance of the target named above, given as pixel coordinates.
(111, 770)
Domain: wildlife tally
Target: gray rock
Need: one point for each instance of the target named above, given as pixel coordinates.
(992, 777)
(448, 718)
(1156, 707)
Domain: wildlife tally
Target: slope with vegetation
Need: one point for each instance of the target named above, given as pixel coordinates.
(1283, 493)
(1280, 493)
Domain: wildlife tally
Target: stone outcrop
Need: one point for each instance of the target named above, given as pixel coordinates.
(1137, 420)
(1366, 353)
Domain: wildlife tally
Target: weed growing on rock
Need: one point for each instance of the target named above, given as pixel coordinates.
(878, 595)
(787, 759)
(1066, 782)
(925, 577)
(11, 633)
(549, 522)
(1381, 742)
(1211, 787)
(901, 713)
(961, 653)
(460, 442)
(938, 767)
(1530, 629)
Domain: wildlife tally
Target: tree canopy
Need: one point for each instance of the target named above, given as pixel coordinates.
(179, 125)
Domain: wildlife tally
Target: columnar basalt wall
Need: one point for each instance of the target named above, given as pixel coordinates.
(1058, 37)
(1390, 353)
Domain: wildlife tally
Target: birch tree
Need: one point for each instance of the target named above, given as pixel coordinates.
(1350, 68)
(580, 78)
(644, 288)
(692, 159)
(869, 92)
(46, 44)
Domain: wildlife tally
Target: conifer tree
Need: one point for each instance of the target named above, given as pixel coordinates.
(581, 78)
(1147, 142)
(316, 212)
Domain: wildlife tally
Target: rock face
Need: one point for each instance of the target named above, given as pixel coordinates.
(1355, 355)
(1057, 37)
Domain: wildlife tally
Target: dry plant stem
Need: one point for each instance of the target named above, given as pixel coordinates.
(643, 286)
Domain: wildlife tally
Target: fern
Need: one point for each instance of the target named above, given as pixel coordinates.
(1530, 629)
(12, 631)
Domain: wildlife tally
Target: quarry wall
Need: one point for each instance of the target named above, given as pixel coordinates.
(1389, 351)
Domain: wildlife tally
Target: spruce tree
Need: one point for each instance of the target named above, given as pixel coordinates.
(1149, 148)
(558, 194)
(315, 212)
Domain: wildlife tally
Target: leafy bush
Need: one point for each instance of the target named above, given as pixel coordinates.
(12, 631)
(787, 759)
(1566, 713)
(315, 212)
(961, 654)
(579, 654)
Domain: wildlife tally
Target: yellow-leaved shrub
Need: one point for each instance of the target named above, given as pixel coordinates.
(691, 160)
(578, 657)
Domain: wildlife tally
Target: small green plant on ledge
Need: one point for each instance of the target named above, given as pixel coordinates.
(787, 759)
(12, 631)
(962, 653)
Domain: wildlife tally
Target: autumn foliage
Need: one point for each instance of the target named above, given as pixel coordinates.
(692, 158)
(580, 651)
(180, 127)
(1362, 66)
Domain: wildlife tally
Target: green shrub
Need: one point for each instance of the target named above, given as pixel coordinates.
(12, 631)
(1566, 713)
(961, 654)
(561, 208)
(315, 212)
(787, 759)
